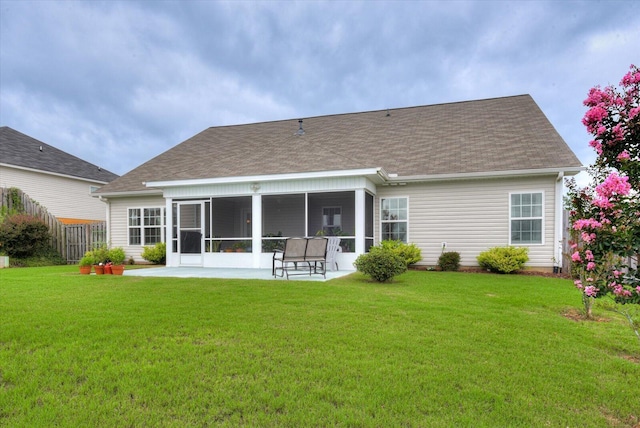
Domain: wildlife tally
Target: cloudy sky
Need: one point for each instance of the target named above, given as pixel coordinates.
(119, 82)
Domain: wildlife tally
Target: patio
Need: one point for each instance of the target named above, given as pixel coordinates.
(228, 273)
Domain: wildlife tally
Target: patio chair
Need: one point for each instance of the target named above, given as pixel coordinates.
(333, 248)
(293, 253)
(316, 255)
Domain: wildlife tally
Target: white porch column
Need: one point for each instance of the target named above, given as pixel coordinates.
(256, 229)
(168, 232)
(360, 220)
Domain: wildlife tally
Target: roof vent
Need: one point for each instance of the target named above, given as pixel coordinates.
(40, 148)
(300, 130)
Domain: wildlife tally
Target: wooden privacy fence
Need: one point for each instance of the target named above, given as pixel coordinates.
(83, 237)
(71, 241)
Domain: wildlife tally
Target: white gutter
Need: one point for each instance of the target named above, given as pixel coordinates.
(488, 174)
(558, 232)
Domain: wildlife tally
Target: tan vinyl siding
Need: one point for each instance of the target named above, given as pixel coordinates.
(119, 218)
(64, 197)
(470, 216)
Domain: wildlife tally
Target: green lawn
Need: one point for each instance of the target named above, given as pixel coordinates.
(432, 349)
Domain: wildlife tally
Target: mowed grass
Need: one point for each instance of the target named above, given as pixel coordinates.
(432, 349)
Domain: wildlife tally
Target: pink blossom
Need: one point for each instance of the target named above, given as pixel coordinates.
(586, 223)
(591, 266)
(589, 279)
(594, 116)
(614, 184)
(618, 290)
(634, 112)
(590, 291)
(589, 255)
(617, 273)
(597, 96)
(574, 246)
(588, 237)
(604, 203)
(623, 156)
(618, 134)
(578, 284)
(638, 289)
(576, 257)
(597, 146)
(631, 77)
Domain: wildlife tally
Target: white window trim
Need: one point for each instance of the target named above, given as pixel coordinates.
(542, 218)
(408, 220)
(162, 226)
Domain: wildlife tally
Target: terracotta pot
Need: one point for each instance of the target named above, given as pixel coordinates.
(99, 269)
(117, 269)
(85, 270)
(107, 269)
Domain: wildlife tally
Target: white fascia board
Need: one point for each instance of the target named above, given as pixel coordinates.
(57, 174)
(379, 173)
(487, 174)
(150, 192)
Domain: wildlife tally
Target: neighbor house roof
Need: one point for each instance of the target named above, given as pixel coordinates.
(20, 150)
(500, 134)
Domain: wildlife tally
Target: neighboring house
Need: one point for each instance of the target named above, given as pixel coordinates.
(58, 181)
(465, 176)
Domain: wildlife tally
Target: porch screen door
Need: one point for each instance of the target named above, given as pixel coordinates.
(190, 232)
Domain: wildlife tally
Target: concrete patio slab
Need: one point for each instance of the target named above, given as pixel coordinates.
(229, 273)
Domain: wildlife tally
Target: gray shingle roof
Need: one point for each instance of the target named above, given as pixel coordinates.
(21, 150)
(499, 134)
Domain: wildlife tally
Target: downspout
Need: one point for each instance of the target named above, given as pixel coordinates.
(559, 232)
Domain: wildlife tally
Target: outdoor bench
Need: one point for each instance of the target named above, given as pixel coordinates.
(308, 252)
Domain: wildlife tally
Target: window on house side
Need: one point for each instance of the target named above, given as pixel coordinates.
(394, 218)
(526, 218)
(145, 226)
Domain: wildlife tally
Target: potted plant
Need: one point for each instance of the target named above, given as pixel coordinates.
(240, 246)
(86, 262)
(117, 258)
(100, 258)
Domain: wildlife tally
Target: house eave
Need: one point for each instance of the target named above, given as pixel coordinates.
(377, 175)
(568, 171)
(57, 174)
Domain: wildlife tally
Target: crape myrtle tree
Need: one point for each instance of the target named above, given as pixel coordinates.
(605, 216)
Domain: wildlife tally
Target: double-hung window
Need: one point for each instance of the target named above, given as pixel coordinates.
(526, 221)
(145, 226)
(332, 220)
(394, 217)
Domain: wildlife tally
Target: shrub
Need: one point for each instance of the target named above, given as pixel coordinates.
(449, 261)
(380, 264)
(22, 236)
(503, 259)
(117, 256)
(409, 252)
(156, 254)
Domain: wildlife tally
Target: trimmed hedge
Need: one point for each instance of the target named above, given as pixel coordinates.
(504, 259)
